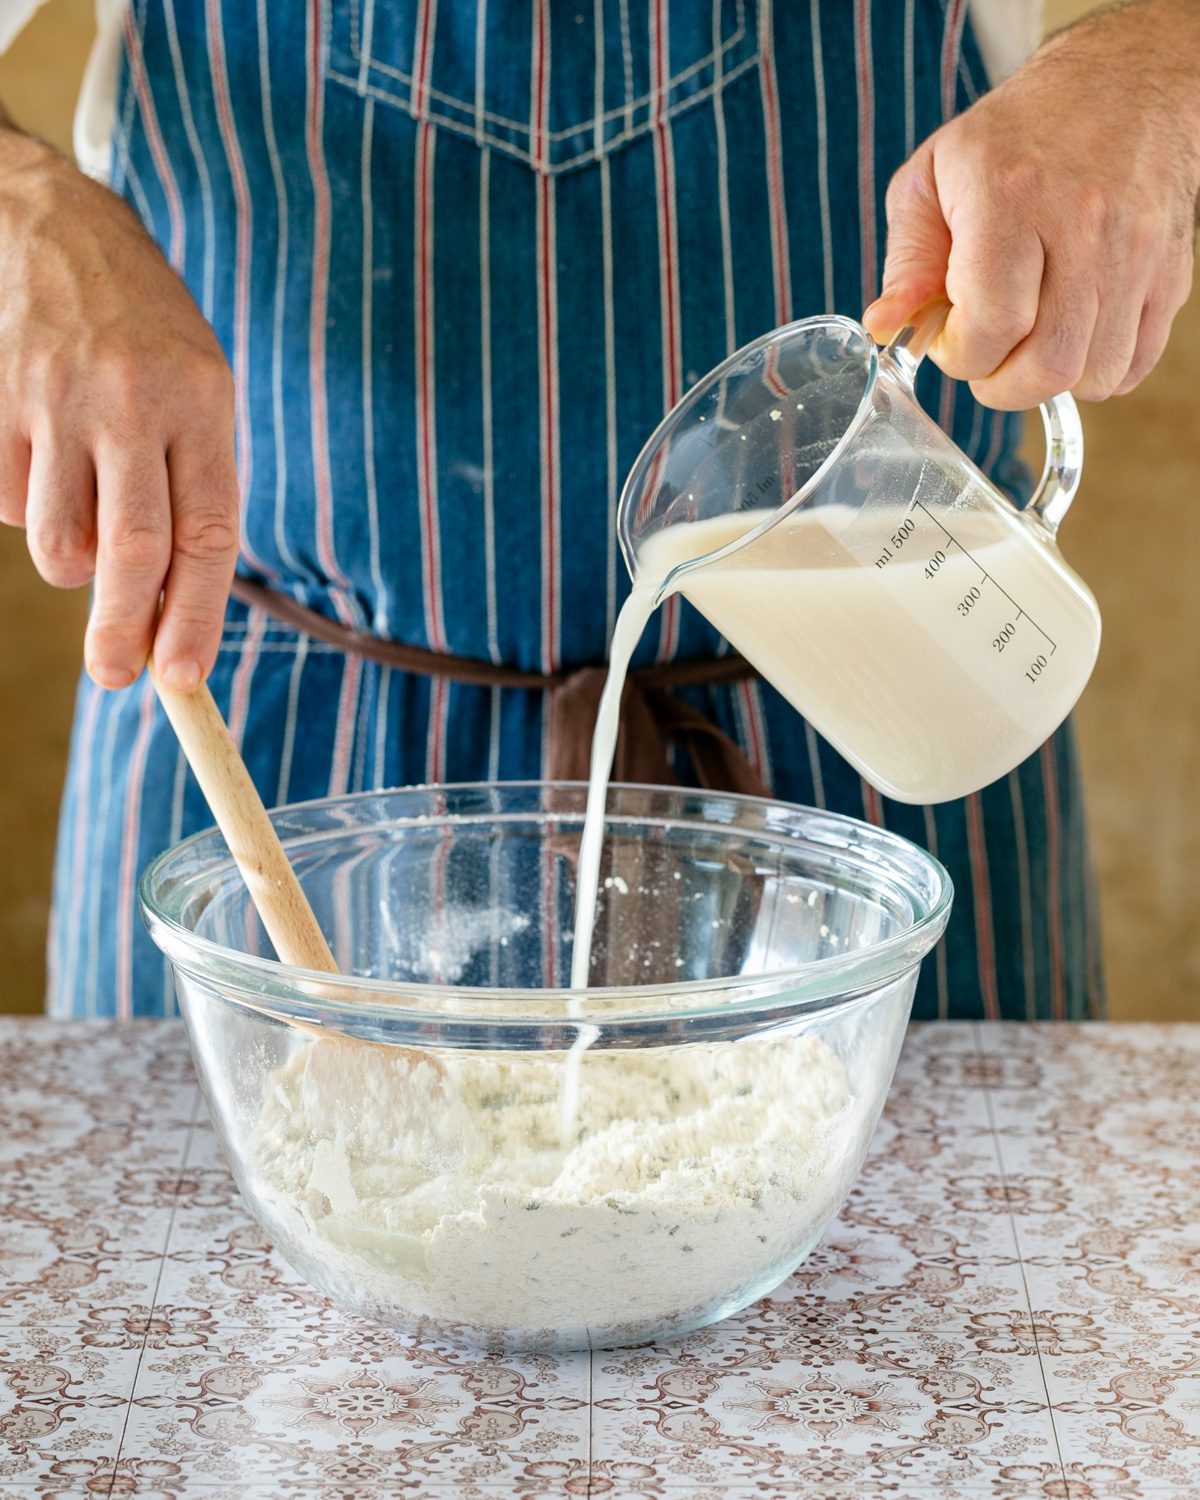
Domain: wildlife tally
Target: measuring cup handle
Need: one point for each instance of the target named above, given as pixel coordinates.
(1064, 460)
(912, 343)
(1060, 417)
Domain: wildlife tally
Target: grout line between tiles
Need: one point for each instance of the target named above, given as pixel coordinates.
(162, 1261)
(453, 1490)
(591, 1368)
(1012, 1225)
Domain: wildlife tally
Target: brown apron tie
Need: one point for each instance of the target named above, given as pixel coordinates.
(653, 716)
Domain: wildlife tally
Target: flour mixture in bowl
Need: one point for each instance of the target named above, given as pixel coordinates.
(694, 1178)
(492, 1157)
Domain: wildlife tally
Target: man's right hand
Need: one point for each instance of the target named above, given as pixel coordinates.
(116, 421)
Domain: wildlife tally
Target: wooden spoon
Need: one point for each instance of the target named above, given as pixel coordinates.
(280, 901)
(278, 898)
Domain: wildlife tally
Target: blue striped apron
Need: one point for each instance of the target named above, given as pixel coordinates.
(462, 257)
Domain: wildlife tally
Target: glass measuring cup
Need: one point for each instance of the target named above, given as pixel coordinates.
(803, 501)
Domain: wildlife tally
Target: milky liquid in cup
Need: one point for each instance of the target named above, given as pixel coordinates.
(934, 660)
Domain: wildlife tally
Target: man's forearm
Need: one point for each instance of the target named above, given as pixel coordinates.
(1163, 42)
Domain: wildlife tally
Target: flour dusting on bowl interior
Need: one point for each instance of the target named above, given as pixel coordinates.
(696, 1177)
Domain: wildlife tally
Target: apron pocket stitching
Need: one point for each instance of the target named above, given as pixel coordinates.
(522, 127)
(592, 153)
(350, 66)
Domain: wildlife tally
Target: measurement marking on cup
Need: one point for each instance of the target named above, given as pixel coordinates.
(972, 597)
(897, 539)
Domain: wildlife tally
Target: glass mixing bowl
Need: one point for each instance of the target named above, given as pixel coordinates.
(451, 1142)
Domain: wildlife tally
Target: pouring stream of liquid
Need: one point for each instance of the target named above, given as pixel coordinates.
(632, 620)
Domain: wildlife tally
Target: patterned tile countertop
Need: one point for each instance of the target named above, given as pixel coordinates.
(1008, 1306)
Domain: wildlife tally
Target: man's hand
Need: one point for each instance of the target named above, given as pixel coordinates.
(116, 421)
(1058, 213)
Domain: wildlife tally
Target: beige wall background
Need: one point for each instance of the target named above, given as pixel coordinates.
(1134, 535)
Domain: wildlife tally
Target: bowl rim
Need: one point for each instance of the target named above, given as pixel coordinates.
(309, 995)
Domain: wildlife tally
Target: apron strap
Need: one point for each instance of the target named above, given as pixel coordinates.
(653, 716)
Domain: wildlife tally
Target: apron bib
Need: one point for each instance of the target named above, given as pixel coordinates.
(463, 256)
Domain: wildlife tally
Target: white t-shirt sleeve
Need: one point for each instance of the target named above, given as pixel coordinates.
(14, 17)
(1008, 32)
(96, 105)
(96, 110)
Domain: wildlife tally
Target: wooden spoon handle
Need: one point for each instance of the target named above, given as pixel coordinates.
(218, 767)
